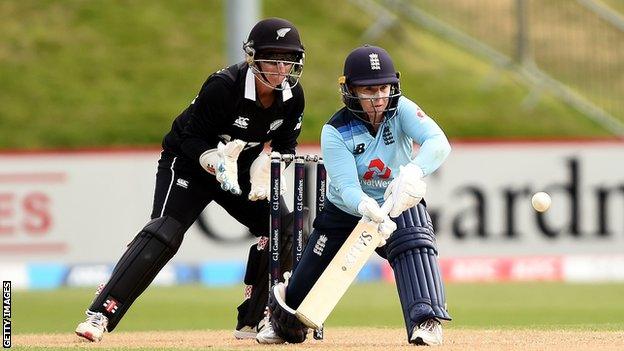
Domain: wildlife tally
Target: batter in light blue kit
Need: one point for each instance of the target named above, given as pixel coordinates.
(368, 151)
(378, 158)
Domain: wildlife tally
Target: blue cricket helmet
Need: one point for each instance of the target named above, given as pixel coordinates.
(369, 65)
(365, 66)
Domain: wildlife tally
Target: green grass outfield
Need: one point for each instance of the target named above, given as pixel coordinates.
(544, 306)
(113, 73)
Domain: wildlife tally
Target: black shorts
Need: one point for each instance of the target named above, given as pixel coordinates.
(184, 189)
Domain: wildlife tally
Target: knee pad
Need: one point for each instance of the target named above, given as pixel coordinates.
(414, 229)
(145, 256)
(283, 319)
(412, 253)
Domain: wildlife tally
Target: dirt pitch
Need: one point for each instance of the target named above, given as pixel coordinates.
(340, 339)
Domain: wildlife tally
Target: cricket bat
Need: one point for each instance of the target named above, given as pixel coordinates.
(341, 272)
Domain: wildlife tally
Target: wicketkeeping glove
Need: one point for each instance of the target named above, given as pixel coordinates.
(222, 162)
(260, 178)
(406, 190)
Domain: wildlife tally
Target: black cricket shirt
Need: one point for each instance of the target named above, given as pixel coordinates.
(226, 108)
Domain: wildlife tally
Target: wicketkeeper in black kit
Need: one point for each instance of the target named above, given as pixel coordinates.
(214, 152)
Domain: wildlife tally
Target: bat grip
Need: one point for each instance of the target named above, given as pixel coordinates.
(387, 206)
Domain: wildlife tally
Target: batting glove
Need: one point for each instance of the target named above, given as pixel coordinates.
(406, 190)
(386, 228)
(369, 208)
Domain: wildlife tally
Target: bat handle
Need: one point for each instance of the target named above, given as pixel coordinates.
(387, 206)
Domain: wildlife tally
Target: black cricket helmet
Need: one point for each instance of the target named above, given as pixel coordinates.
(368, 66)
(275, 41)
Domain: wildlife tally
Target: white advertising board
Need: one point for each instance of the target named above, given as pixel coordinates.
(85, 206)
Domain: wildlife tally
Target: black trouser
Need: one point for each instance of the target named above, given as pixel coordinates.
(331, 229)
(184, 189)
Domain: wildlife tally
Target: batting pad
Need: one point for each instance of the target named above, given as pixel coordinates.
(284, 319)
(413, 256)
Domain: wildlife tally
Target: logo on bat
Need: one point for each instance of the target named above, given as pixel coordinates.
(356, 250)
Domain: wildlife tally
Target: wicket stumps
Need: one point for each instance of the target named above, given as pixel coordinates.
(298, 196)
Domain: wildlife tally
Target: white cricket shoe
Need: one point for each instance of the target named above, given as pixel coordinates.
(268, 336)
(428, 333)
(250, 332)
(94, 327)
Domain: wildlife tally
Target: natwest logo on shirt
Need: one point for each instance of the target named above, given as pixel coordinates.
(378, 168)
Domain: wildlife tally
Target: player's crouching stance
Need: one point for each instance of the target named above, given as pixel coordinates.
(367, 147)
(214, 152)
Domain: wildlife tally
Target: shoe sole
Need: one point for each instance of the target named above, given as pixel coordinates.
(244, 335)
(420, 342)
(270, 342)
(88, 336)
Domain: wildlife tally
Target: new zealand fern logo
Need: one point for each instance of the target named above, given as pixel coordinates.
(377, 167)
